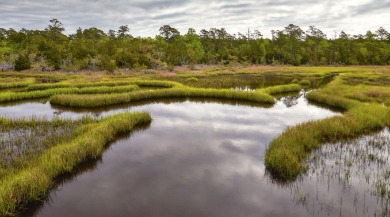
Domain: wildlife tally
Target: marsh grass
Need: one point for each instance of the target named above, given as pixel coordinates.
(221, 80)
(282, 89)
(22, 139)
(305, 82)
(286, 155)
(285, 158)
(112, 99)
(39, 77)
(6, 83)
(107, 89)
(34, 180)
(366, 93)
(14, 96)
(84, 84)
(46, 86)
(358, 167)
(359, 92)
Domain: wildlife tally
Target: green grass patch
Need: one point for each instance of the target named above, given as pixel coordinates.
(335, 101)
(24, 138)
(282, 89)
(15, 96)
(192, 79)
(112, 99)
(83, 84)
(15, 83)
(305, 82)
(32, 182)
(46, 86)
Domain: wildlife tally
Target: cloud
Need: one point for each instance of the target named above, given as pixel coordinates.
(372, 7)
(145, 17)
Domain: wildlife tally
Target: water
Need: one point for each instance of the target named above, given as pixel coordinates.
(349, 178)
(197, 158)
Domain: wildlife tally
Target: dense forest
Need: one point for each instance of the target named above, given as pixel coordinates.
(93, 49)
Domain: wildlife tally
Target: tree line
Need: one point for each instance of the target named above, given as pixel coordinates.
(93, 49)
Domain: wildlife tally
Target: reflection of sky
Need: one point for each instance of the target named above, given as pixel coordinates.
(327, 186)
(196, 159)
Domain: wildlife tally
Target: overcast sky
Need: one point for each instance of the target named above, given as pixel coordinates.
(144, 17)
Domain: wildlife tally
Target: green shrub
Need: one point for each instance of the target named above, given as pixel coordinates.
(22, 63)
(108, 65)
(171, 67)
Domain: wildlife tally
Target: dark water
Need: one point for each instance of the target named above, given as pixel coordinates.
(197, 158)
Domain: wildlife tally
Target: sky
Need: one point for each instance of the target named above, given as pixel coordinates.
(145, 17)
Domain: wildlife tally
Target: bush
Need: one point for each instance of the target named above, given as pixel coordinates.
(108, 65)
(191, 66)
(22, 63)
(171, 67)
(158, 64)
(138, 66)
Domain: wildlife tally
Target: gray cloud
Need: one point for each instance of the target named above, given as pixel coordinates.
(144, 17)
(372, 7)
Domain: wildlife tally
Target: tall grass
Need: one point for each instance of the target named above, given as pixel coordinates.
(14, 96)
(107, 89)
(112, 99)
(36, 179)
(332, 100)
(82, 84)
(282, 89)
(46, 86)
(51, 76)
(22, 139)
(7, 83)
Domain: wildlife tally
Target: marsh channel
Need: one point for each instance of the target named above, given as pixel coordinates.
(205, 158)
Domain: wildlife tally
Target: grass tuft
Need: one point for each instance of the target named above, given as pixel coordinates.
(305, 82)
(282, 89)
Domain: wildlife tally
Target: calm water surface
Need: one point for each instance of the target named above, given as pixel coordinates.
(195, 159)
